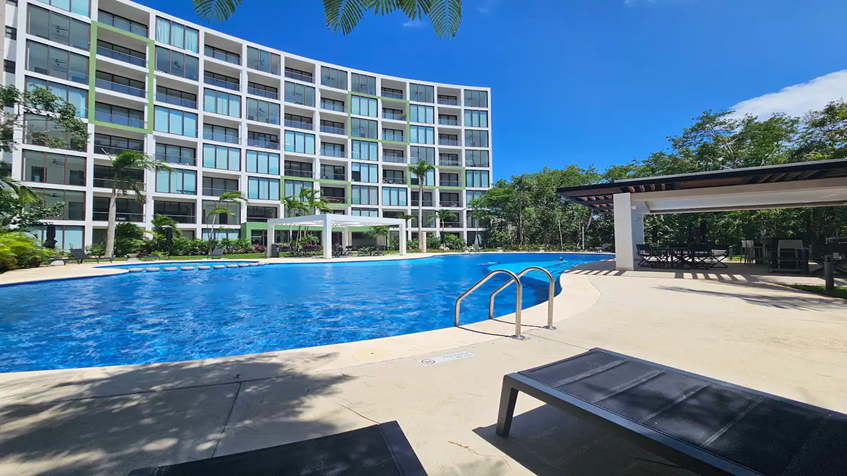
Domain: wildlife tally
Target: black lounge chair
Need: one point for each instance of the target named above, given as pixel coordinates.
(378, 450)
(703, 424)
(79, 255)
(650, 257)
(217, 253)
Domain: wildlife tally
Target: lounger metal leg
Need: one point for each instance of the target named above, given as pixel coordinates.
(508, 399)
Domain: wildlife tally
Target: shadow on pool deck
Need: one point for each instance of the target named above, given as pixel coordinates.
(130, 427)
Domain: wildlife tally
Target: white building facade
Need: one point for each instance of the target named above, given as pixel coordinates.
(226, 114)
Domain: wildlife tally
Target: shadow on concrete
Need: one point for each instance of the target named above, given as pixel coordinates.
(799, 301)
(547, 441)
(119, 420)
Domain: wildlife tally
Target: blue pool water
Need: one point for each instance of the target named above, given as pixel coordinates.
(176, 264)
(137, 318)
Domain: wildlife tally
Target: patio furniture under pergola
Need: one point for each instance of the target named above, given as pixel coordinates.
(804, 184)
(328, 222)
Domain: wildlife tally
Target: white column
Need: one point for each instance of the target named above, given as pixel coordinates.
(327, 236)
(403, 238)
(629, 231)
(271, 239)
(345, 238)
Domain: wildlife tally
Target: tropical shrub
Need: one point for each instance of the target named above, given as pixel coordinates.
(129, 238)
(454, 242)
(413, 245)
(20, 250)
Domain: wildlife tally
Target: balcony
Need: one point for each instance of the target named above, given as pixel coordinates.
(394, 180)
(117, 55)
(333, 153)
(119, 120)
(335, 199)
(266, 144)
(216, 192)
(454, 142)
(299, 75)
(298, 173)
(450, 224)
(448, 101)
(448, 122)
(222, 55)
(108, 183)
(119, 216)
(221, 137)
(222, 83)
(119, 88)
(177, 101)
(475, 163)
(122, 23)
(192, 219)
(448, 161)
(394, 116)
(333, 107)
(450, 183)
(395, 159)
(108, 149)
(332, 130)
(391, 94)
(263, 93)
(340, 177)
(426, 203)
(299, 124)
(270, 119)
(176, 159)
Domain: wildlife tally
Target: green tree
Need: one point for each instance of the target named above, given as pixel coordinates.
(377, 231)
(21, 207)
(225, 198)
(441, 216)
(344, 15)
(407, 219)
(313, 201)
(68, 131)
(420, 170)
(293, 207)
(125, 167)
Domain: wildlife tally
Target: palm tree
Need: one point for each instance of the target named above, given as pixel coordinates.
(233, 196)
(313, 201)
(421, 169)
(344, 15)
(406, 218)
(376, 231)
(125, 167)
(293, 207)
(442, 216)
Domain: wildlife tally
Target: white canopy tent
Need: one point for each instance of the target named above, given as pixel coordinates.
(804, 184)
(328, 222)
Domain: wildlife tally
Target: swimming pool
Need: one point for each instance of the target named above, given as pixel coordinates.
(176, 264)
(137, 318)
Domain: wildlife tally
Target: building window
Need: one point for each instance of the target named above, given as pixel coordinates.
(67, 237)
(106, 144)
(75, 96)
(38, 128)
(392, 93)
(120, 84)
(364, 106)
(214, 186)
(221, 80)
(397, 177)
(56, 62)
(334, 78)
(422, 134)
(294, 187)
(177, 64)
(122, 23)
(394, 196)
(476, 138)
(427, 154)
(396, 156)
(262, 60)
(74, 208)
(12, 33)
(261, 213)
(299, 75)
(476, 178)
(422, 114)
(471, 195)
(262, 111)
(175, 154)
(176, 97)
(262, 188)
(364, 212)
(363, 150)
(476, 158)
(222, 54)
(220, 133)
(119, 115)
(364, 195)
(333, 105)
(80, 7)
(55, 27)
(429, 178)
(363, 128)
(232, 218)
(297, 169)
(364, 173)
(299, 142)
(9, 66)
(394, 135)
(177, 35)
(421, 93)
(333, 172)
(476, 118)
(361, 83)
(332, 150)
(332, 127)
(222, 103)
(476, 98)
(299, 94)
(176, 181)
(220, 157)
(182, 212)
(262, 162)
(261, 139)
(45, 167)
(257, 89)
(427, 202)
(176, 122)
(222, 233)
(300, 122)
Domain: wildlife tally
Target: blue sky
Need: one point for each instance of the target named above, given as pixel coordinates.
(585, 81)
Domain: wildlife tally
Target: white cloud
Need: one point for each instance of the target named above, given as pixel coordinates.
(487, 6)
(413, 24)
(798, 99)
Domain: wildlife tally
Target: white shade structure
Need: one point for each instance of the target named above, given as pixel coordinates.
(329, 222)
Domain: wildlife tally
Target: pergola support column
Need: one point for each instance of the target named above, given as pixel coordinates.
(629, 231)
(271, 240)
(403, 239)
(327, 236)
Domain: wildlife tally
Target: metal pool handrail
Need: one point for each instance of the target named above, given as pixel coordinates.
(515, 278)
(550, 294)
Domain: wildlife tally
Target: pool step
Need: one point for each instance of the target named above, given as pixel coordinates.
(192, 268)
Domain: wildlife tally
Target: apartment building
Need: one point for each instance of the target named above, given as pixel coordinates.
(226, 114)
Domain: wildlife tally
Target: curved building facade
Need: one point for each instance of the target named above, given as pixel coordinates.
(227, 114)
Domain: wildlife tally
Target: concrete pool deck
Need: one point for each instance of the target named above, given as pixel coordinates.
(751, 332)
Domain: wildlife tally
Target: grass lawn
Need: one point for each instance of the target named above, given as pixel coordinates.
(839, 292)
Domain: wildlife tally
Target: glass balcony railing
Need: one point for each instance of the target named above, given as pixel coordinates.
(333, 177)
(332, 130)
(448, 122)
(176, 100)
(333, 107)
(122, 24)
(119, 88)
(221, 83)
(393, 116)
(266, 144)
(449, 101)
(472, 163)
(450, 162)
(448, 142)
(110, 53)
(223, 56)
(299, 76)
(111, 150)
(217, 192)
(299, 124)
(108, 183)
(176, 159)
(450, 183)
(335, 199)
(263, 93)
(119, 216)
(119, 120)
(180, 218)
(391, 94)
(298, 173)
(395, 159)
(333, 153)
(426, 203)
(450, 224)
(265, 119)
(394, 180)
(221, 137)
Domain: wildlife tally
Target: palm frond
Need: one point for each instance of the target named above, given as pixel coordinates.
(445, 16)
(219, 10)
(344, 15)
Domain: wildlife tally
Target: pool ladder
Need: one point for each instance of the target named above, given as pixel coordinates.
(513, 278)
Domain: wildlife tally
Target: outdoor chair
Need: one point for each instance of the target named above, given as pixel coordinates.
(649, 257)
(790, 255)
(217, 253)
(80, 255)
(376, 450)
(699, 423)
(377, 251)
(602, 248)
(748, 250)
(700, 256)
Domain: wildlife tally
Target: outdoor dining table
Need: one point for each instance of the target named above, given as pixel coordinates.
(677, 255)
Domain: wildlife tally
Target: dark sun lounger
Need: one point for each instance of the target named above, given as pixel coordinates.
(702, 424)
(378, 450)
